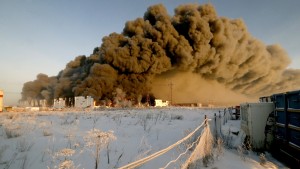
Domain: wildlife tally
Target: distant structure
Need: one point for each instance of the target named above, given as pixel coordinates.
(59, 103)
(1, 100)
(84, 102)
(80, 102)
(187, 104)
(30, 103)
(161, 103)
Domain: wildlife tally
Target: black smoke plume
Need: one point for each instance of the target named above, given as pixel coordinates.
(204, 56)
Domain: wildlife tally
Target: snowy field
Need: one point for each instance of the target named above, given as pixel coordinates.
(69, 139)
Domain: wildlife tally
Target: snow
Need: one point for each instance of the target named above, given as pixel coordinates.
(57, 139)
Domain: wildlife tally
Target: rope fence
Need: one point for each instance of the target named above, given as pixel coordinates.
(163, 151)
(217, 128)
(192, 145)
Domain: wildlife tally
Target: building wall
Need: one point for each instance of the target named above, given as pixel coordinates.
(84, 102)
(59, 103)
(160, 103)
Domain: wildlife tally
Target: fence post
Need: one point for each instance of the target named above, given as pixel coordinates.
(216, 127)
(215, 117)
(224, 117)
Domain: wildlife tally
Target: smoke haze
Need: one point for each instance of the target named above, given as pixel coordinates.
(205, 56)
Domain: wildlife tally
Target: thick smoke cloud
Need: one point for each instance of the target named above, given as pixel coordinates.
(196, 50)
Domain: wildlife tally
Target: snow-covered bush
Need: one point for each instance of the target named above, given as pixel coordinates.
(67, 164)
(63, 158)
(96, 140)
(66, 152)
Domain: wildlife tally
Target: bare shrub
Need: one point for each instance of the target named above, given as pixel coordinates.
(12, 130)
(66, 152)
(176, 117)
(243, 151)
(47, 132)
(67, 164)
(12, 116)
(63, 156)
(228, 139)
(219, 148)
(96, 140)
(263, 159)
(117, 118)
(144, 121)
(95, 119)
(67, 120)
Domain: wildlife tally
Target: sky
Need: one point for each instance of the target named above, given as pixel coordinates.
(43, 36)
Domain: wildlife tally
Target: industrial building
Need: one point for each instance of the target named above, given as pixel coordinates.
(161, 103)
(80, 102)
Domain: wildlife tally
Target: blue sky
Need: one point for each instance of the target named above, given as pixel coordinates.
(42, 36)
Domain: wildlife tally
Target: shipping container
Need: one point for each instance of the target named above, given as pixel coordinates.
(254, 119)
(287, 126)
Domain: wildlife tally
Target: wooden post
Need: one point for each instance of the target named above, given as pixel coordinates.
(216, 130)
(215, 117)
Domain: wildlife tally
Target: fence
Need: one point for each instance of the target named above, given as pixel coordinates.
(163, 151)
(216, 128)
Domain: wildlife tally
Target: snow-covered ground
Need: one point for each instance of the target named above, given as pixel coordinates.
(61, 139)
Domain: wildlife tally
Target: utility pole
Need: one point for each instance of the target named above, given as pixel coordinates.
(171, 89)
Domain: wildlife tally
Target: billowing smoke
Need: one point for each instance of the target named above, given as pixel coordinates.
(204, 56)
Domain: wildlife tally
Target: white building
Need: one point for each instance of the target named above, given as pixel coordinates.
(59, 103)
(84, 102)
(43, 103)
(161, 103)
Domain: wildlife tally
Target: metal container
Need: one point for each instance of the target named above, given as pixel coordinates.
(254, 119)
(287, 125)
